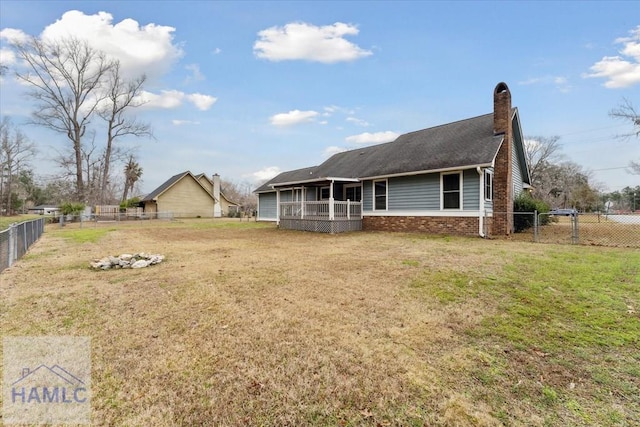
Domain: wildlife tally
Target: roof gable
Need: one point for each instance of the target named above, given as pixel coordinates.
(170, 183)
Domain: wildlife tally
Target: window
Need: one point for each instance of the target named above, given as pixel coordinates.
(324, 193)
(353, 193)
(488, 185)
(380, 195)
(451, 191)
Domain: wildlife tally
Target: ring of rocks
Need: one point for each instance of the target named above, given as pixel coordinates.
(139, 260)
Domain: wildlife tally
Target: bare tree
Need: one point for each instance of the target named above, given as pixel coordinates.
(15, 152)
(66, 79)
(132, 173)
(240, 193)
(626, 112)
(121, 97)
(541, 152)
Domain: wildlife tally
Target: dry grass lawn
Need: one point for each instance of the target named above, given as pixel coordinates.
(244, 324)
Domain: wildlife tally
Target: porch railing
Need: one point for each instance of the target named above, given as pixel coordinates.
(321, 210)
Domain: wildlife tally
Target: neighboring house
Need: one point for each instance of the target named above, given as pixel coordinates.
(457, 178)
(188, 196)
(44, 210)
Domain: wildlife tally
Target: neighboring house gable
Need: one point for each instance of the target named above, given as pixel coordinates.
(447, 178)
(184, 195)
(226, 205)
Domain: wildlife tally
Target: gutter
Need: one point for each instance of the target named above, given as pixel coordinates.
(481, 207)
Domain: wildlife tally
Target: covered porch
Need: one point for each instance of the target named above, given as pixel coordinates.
(326, 206)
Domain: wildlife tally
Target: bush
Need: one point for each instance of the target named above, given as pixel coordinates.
(525, 203)
(134, 202)
(71, 208)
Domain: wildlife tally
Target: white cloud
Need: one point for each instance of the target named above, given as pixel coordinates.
(622, 70)
(141, 49)
(357, 121)
(174, 98)
(372, 138)
(333, 149)
(196, 74)
(13, 35)
(7, 57)
(292, 118)
(184, 122)
(165, 99)
(202, 102)
(302, 41)
(265, 174)
(560, 82)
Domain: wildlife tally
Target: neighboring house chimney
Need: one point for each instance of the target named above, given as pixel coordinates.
(217, 208)
(503, 178)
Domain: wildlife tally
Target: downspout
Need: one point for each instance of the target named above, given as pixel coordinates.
(278, 207)
(481, 207)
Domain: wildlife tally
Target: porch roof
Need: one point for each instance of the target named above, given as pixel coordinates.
(319, 180)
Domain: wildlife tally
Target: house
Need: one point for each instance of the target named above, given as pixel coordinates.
(45, 210)
(186, 195)
(456, 178)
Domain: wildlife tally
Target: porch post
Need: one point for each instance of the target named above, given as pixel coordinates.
(302, 198)
(348, 208)
(331, 206)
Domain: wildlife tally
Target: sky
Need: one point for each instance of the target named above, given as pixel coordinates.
(249, 89)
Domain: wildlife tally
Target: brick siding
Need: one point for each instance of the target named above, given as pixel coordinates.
(463, 226)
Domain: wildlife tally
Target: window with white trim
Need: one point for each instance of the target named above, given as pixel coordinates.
(488, 185)
(451, 191)
(353, 193)
(324, 193)
(380, 195)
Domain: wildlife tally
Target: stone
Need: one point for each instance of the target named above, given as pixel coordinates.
(141, 263)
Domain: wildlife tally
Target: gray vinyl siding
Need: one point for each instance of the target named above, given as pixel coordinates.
(267, 207)
(423, 192)
(516, 172)
(286, 196)
(471, 190)
(418, 192)
(367, 196)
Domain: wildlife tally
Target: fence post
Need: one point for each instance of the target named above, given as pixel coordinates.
(13, 244)
(535, 226)
(574, 229)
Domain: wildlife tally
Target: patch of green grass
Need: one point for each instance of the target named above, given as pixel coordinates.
(6, 221)
(411, 263)
(575, 297)
(562, 316)
(447, 286)
(84, 235)
(208, 223)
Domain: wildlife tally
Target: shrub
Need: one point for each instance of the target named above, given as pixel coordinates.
(525, 203)
(130, 203)
(71, 208)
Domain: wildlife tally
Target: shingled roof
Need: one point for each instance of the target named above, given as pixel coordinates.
(462, 144)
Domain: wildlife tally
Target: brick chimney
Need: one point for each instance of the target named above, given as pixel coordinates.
(217, 209)
(502, 177)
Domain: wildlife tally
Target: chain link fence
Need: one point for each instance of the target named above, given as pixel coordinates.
(616, 230)
(16, 240)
